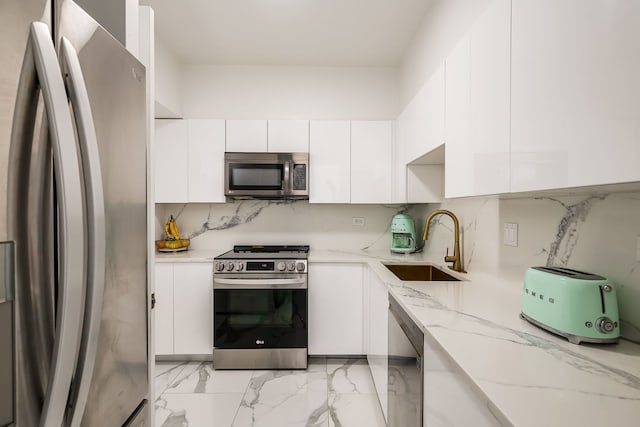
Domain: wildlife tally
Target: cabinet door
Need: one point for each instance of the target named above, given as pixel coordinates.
(193, 289)
(330, 162)
(246, 136)
(371, 162)
(164, 308)
(478, 106)
(459, 153)
(335, 309)
(378, 349)
(575, 93)
(288, 136)
(206, 160)
(171, 162)
(450, 399)
(421, 124)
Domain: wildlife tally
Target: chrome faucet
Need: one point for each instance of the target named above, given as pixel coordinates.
(456, 258)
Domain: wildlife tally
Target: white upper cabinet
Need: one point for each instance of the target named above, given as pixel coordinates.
(189, 161)
(478, 106)
(288, 136)
(371, 161)
(575, 93)
(246, 136)
(206, 160)
(421, 124)
(459, 157)
(171, 161)
(329, 161)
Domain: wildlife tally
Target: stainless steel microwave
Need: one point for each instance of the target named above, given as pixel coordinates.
(266, 175)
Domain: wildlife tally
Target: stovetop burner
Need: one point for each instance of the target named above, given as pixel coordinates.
(270, 249)
(266, 252)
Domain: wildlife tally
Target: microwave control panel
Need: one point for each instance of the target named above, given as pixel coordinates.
(300, 177)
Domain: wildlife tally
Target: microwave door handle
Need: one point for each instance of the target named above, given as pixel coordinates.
(96, 234)
(41, 71)
(287, 176)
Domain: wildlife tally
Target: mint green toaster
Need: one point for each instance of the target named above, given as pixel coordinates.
(579, 306)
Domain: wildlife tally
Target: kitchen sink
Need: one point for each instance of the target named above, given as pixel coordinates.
(420, 272)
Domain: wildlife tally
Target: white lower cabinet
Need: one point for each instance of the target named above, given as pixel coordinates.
(336, 321)
(184, 308)
(449, 398)
(377, 339)
(163, 310)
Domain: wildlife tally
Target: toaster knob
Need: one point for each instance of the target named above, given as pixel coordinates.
(605, 325)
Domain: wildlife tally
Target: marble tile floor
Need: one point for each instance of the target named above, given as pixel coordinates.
(330, 393)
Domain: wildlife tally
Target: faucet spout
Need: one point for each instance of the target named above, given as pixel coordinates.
(456, 258)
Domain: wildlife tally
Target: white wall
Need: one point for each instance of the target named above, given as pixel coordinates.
(284, 92)
(169, 79)
(445, 23)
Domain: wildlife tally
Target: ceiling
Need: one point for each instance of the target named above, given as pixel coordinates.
(288, 32)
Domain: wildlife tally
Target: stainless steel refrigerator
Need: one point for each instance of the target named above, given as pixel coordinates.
(73, 277)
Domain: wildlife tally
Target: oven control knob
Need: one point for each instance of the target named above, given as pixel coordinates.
(239, 266)
(219, 266)
(291, 266)
(300, 266)
(281, 266)
(230, 266)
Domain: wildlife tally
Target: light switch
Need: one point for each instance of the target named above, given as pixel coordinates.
(510, 234)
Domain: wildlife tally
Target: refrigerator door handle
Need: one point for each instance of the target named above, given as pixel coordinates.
(95, 222)
(41, 72)
(96, 234)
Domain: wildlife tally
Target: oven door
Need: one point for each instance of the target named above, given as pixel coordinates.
(260, 312)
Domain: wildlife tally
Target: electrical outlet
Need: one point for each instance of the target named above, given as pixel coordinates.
(357, 221)
(510, 234)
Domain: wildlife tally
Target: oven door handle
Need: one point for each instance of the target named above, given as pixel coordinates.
(220, 283)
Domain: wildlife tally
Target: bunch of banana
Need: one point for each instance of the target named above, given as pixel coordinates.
(171, 229)
(172, 244)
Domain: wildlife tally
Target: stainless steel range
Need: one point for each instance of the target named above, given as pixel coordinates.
(260, 308)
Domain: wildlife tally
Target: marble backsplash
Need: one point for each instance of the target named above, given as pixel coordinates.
(220, 226)
(594, 233)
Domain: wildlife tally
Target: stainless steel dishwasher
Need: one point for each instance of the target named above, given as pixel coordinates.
(405, 373)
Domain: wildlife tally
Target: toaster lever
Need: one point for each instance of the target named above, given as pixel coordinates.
(602, 290)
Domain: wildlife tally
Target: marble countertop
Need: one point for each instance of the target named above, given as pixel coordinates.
(532, 377)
